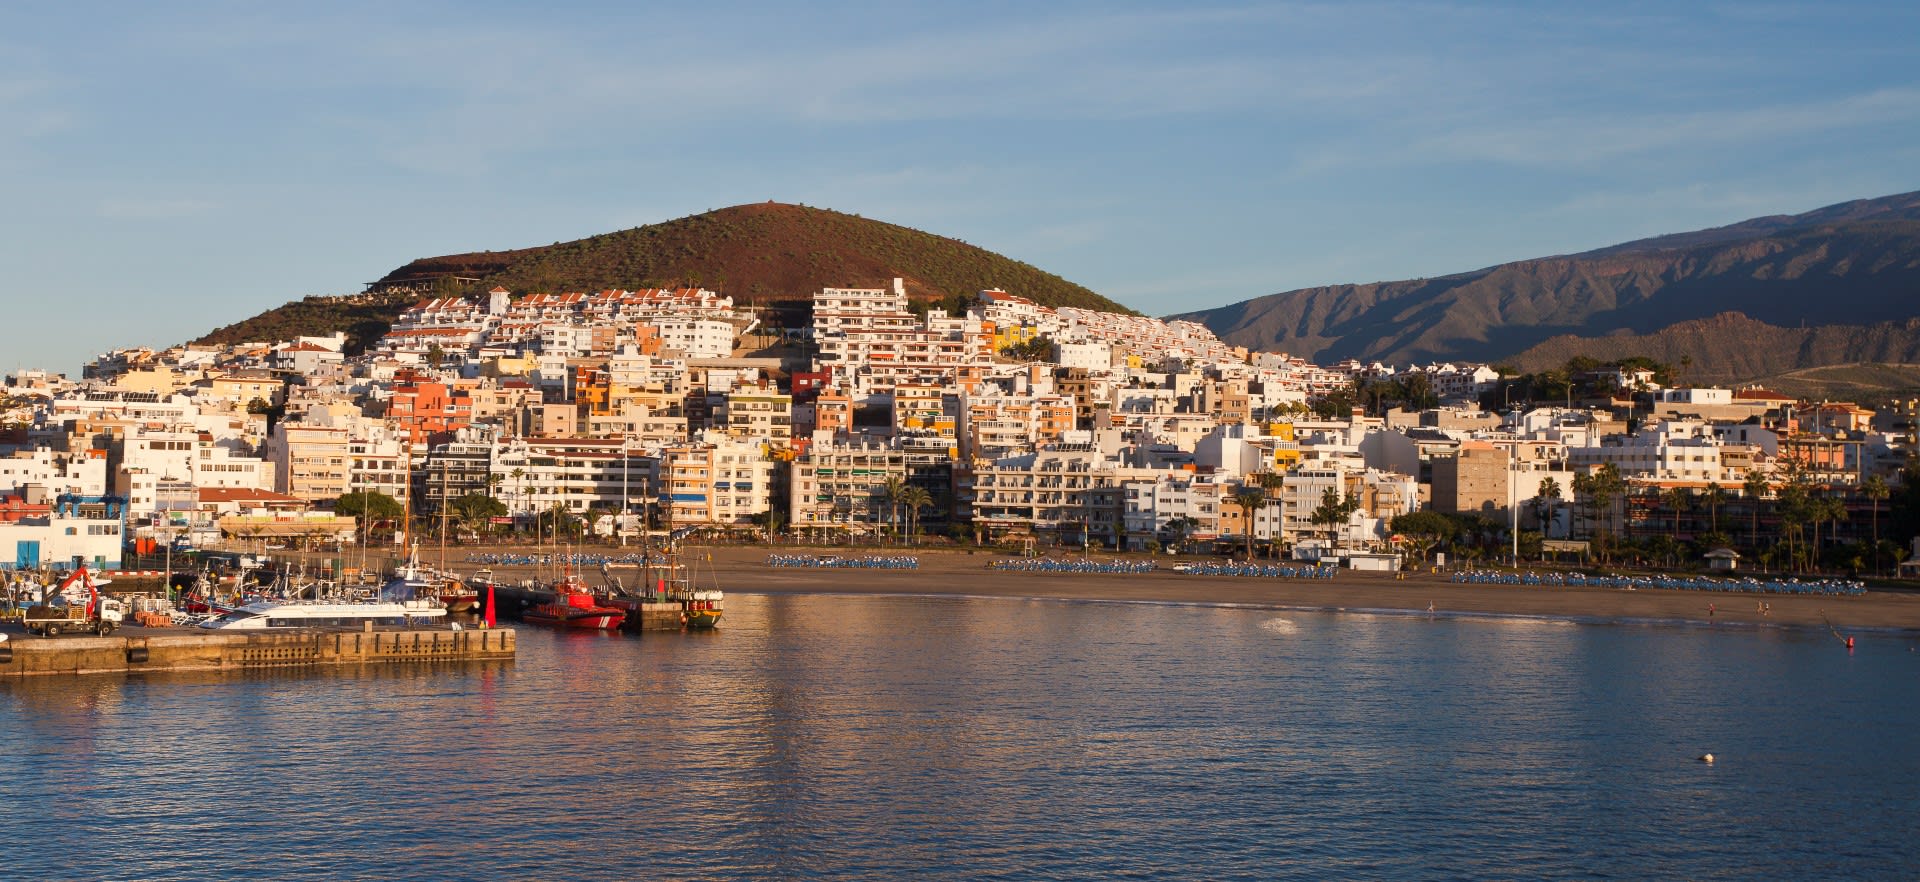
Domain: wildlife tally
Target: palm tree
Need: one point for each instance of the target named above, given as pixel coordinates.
(1679, 499)
(1755, 486)
(1544, 501)
(1716, 496)
(519, 489)
(915, 498)
(1177, 529)
(1790, 503)
(1250, 500)
(1833, 510)
(895, 488)
(1875, 490)
(1583, 498)
(1333, 511)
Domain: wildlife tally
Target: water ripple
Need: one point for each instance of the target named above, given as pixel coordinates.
(942, 738)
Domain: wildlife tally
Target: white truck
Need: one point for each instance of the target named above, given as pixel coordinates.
(65, 611)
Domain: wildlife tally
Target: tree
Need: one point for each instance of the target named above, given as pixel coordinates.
(519, 488)
(1425, 530)
(1754, 487)
(1544, 501)
(369, 503)
(1903, 510)
(559, 520)
(1794, 509)
(1679, 499)
(1177, 530)
(1250, 500)
(1333, 510)
(1832, 510)
(1602, 487)
(476, 511)
(895, 488)
(1716, 496)
(915, 498)
(1037, 349)
(1875, 489)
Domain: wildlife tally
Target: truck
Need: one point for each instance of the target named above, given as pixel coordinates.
(62, 611)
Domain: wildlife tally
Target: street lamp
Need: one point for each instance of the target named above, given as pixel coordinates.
(1513, 501)
(626, 465)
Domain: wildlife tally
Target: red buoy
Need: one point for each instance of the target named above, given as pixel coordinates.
(1849, 642)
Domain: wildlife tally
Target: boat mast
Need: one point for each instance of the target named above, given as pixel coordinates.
(443, 511)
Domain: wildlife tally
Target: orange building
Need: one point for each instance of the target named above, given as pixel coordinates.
(422, 409)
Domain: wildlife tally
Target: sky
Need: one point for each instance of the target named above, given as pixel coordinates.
(169, 168)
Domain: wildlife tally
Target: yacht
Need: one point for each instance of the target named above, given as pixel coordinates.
(270, 614)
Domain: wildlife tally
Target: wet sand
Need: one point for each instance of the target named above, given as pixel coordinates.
(744, 570)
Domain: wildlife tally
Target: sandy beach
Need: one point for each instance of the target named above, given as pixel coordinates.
(744, 570)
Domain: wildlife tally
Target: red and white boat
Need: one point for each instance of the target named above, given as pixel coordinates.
(573, 606)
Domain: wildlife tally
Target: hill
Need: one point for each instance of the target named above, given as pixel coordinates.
(767, 254)
(1858, 262)
(1732, 347)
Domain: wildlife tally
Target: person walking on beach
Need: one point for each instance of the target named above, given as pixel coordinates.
(1709, 610)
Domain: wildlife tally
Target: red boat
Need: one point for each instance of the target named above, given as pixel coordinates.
(573, 606)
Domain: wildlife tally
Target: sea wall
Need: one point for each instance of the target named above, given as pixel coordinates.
(23, 656)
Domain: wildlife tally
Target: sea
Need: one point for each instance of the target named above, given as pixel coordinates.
(930, 737)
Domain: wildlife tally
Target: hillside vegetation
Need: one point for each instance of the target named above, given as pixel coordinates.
(766, 254)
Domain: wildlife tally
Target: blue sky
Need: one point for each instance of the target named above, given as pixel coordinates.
(168, 168)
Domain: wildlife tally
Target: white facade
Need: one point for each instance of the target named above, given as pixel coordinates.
(695, 337)
(79, 474)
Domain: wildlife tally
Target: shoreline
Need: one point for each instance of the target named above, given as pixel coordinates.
(961, 573)
(958, 574)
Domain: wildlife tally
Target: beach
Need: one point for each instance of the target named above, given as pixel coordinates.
(744, 569)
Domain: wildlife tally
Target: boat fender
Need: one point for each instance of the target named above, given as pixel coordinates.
(136, 655)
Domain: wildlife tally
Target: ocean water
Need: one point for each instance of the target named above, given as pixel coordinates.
(944, 738)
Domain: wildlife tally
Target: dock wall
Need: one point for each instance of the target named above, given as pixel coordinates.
(31, 656)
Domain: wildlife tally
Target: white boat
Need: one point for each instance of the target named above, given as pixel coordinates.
(267, 614)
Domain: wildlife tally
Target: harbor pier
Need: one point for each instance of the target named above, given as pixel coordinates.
(142, 650)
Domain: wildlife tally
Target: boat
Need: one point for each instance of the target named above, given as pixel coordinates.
(273, 614)
(574, 606)
(413, 581)
(700, 608)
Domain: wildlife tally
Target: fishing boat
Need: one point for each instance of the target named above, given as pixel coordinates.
(574, 606)
(665, 593)
(700, 608)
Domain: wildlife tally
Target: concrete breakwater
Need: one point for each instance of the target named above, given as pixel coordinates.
(154, 650)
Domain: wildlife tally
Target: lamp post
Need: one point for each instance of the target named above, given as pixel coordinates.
(626, 465)
(1513, 501)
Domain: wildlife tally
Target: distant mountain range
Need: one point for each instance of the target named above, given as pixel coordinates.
(1764, 296)
(769, 254)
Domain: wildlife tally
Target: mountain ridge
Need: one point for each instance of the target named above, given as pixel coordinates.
(1857, 262)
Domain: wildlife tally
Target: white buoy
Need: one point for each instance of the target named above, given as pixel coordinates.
(1707, 758)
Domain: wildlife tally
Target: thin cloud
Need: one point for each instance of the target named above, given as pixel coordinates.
(1598, 138)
